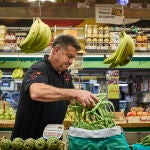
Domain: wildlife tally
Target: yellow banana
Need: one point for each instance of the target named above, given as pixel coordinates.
(130, 49)
(126, 51)
(1, 74)
(47, 38)
(18, 73)
(113, 57)
(26, 44)
(14, 73)
(43, 38)
(21, 73)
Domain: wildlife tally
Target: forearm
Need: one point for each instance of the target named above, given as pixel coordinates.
(46, 93)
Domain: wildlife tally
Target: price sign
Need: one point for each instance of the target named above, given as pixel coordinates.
(113, 84)
(53, 130)
(108, 14)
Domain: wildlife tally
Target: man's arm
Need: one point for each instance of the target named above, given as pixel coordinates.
(46, 93)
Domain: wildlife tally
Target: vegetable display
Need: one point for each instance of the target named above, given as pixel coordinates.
(52, 143)
(98, 117)
(145, 141)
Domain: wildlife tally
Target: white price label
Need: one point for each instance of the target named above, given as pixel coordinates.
(53, 130)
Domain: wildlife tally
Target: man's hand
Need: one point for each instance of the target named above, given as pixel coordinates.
(86, 98)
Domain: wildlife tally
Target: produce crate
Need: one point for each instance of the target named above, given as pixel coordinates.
(67, 124)
(119, 115)
(4, 104)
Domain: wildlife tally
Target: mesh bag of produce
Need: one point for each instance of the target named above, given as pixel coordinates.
(103, 139)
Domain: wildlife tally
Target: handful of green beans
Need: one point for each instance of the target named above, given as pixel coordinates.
(94, 118)
(145, 141)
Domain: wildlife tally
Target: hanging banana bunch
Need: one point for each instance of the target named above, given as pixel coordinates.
(124, 52)
(1, 74)
(38, 38)
(17, 73)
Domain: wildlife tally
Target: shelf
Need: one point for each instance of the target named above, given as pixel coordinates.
(61, 13)
(95, 52)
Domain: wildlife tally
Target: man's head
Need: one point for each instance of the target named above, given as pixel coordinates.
(65, 41)
(64, 50)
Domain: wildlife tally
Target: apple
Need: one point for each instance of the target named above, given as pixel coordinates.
(7, 117)
(12, 117)
(2, 117)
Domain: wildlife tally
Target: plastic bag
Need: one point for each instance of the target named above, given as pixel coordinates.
(140, 147)
(104, 139)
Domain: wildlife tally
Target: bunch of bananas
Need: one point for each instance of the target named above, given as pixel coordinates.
(17, 73)
(38, 38)
(1, 74)
(124, 52)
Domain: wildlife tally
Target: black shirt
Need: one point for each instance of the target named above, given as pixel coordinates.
(32, 116)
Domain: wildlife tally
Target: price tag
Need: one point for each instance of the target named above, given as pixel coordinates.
(53, 130)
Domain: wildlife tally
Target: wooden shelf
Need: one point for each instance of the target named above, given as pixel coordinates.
(61, 13)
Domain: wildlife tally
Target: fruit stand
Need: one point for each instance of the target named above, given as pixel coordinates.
(133, 131)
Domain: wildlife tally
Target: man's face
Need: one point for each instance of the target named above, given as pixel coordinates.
(65, 57)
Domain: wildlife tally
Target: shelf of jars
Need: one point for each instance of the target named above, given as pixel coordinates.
(105, 39)
(94, 39)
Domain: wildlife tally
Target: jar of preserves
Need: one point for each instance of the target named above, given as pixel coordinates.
(144, 38)
(89, 31)
(106, 41)
(94, 41)
(88, 43)
(99, 43)
(95, 29)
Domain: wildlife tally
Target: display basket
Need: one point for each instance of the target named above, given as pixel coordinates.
(103, 139)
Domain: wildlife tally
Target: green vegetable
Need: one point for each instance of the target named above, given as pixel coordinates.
(53, 143)
(5, 144)
(17, 143)
(40, 144)
(29, 144)
(98, 117)
(145, 141)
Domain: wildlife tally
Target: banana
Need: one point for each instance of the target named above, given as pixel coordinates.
(112, 58)
(46, 40)
(21, 73)
(26, 44)
(14, 73)
(1, 74)
(17, 73)
(126, 51)
(43, 38)
(129, 53)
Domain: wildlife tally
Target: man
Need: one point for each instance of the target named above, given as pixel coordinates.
(1, 93)
(47, 89)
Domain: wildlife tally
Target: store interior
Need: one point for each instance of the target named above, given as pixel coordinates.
(88, 70)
